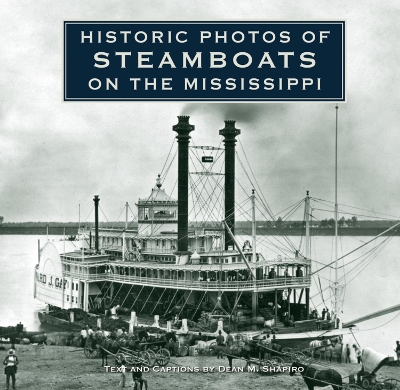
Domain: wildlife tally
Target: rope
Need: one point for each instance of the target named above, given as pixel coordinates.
(176, 292)
(146, 300)
(126, 296)
(116, 294)
(198, 306)
(154, 308)
(137, 297)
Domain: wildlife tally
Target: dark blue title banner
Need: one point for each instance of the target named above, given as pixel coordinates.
(204, 61)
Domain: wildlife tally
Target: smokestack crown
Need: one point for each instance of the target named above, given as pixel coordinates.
(229, 131)
(183, 126)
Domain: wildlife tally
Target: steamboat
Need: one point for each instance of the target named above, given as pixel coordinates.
(191, 274)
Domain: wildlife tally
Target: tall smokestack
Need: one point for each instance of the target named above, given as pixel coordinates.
(183, 128)
(229, 133)
(96, 222)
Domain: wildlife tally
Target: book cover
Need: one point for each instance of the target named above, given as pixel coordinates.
(174, 171)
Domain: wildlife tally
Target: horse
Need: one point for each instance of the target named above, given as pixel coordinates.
(323, 347)
(321, 378)
(237, 352)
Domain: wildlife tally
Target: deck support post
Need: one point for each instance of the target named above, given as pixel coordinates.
(276, 307)
(307, 303)
(254, 303)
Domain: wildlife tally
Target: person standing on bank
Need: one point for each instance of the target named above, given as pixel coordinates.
(220, 345)
(11, 362)
(347, 354)
(358, 353)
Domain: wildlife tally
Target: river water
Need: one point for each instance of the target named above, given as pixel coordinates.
(369, 289)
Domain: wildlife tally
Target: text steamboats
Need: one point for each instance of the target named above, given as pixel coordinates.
(169, 269)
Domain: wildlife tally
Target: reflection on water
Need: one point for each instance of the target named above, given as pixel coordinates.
(372, 285)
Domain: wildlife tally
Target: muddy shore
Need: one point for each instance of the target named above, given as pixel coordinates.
(67, 368)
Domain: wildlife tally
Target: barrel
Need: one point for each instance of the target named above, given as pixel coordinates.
(183, 350)
(193, 351)
(39, 338)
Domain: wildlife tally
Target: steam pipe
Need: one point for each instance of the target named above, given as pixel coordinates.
(96, 222)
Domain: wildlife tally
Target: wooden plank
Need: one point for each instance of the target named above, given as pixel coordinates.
(372, 315)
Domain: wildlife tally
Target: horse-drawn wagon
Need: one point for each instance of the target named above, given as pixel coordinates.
(366, 378)
(149, 352)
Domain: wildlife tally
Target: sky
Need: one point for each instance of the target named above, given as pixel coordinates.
(56, 155)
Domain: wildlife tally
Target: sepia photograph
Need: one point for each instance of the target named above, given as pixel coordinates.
(191, 211)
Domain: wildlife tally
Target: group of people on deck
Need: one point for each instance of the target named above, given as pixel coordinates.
(326, 315)
(273, 275)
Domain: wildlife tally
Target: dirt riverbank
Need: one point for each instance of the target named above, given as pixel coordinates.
(67, 368)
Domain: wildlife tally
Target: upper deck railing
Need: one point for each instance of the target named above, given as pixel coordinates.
(200, 285)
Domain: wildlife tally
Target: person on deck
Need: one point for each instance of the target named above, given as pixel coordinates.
(11, 362)
(323, 314)
(299, 272)
(328, 315)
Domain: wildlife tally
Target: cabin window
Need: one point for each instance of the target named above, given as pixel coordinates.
(163, 243)
(143, 244)
(67, 298)
(72, 286)
(76, 286)
(157, 242)
(146, 213)
(239, 260)
(233, 259)
(226, 260)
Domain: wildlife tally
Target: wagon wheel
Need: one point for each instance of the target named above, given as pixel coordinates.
(379, 386)
(286, 350)
(365, 384)
(391, 384)
(145, 358)
(98, 351)
(264, 363)
(308, 353)
(130, 359)
(277, 360)
(90, 352)
(287, 357)
(352, 386)
(163, 357)
(152, 357)
(298, 356)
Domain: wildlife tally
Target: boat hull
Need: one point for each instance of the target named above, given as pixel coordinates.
(48, 319)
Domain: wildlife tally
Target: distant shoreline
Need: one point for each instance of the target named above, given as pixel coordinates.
(351, 231)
